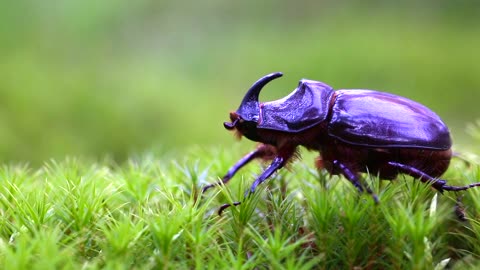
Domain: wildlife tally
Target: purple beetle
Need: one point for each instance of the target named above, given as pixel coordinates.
(354, 130)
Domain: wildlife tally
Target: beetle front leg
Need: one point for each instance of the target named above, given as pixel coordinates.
(354, 179)
(278, 162)
(263, 151)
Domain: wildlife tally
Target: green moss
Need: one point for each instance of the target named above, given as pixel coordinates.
(143, 214)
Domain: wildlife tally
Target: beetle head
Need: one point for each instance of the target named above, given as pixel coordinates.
(246, 117)
(242, 127)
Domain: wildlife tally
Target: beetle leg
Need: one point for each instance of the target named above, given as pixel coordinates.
(261, 152)
(438, 184)
(458, 188)
(277, 163)
(225, 206)
(231, 172)
(354, 179)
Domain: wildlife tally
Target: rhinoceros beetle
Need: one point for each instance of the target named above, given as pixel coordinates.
(354, 130)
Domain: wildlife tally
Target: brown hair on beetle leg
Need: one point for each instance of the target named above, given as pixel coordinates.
(319, 163)
(268, 152)
(295, 156)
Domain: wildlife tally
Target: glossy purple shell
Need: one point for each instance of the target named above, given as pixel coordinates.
(378, 119)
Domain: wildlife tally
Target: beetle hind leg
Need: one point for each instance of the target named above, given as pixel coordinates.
(354, 179)
(438, 184)
(459, 188)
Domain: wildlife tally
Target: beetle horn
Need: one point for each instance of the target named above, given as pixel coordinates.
(249, 107)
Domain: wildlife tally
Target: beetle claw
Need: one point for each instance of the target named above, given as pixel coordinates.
(225, 206)
(375, 198)
(458, 188)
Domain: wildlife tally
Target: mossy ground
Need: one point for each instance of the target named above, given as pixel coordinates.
(145, 214)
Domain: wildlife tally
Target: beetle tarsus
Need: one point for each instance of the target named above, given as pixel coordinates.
(459, 188)
(225, 206)
(375, 198)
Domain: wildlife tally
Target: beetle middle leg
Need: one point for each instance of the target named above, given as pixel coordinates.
(278, 163)
(354, 179)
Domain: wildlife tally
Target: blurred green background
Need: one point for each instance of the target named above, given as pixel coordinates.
(90, 78)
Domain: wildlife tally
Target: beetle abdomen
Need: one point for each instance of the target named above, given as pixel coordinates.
(375, 160)
(378, 119)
